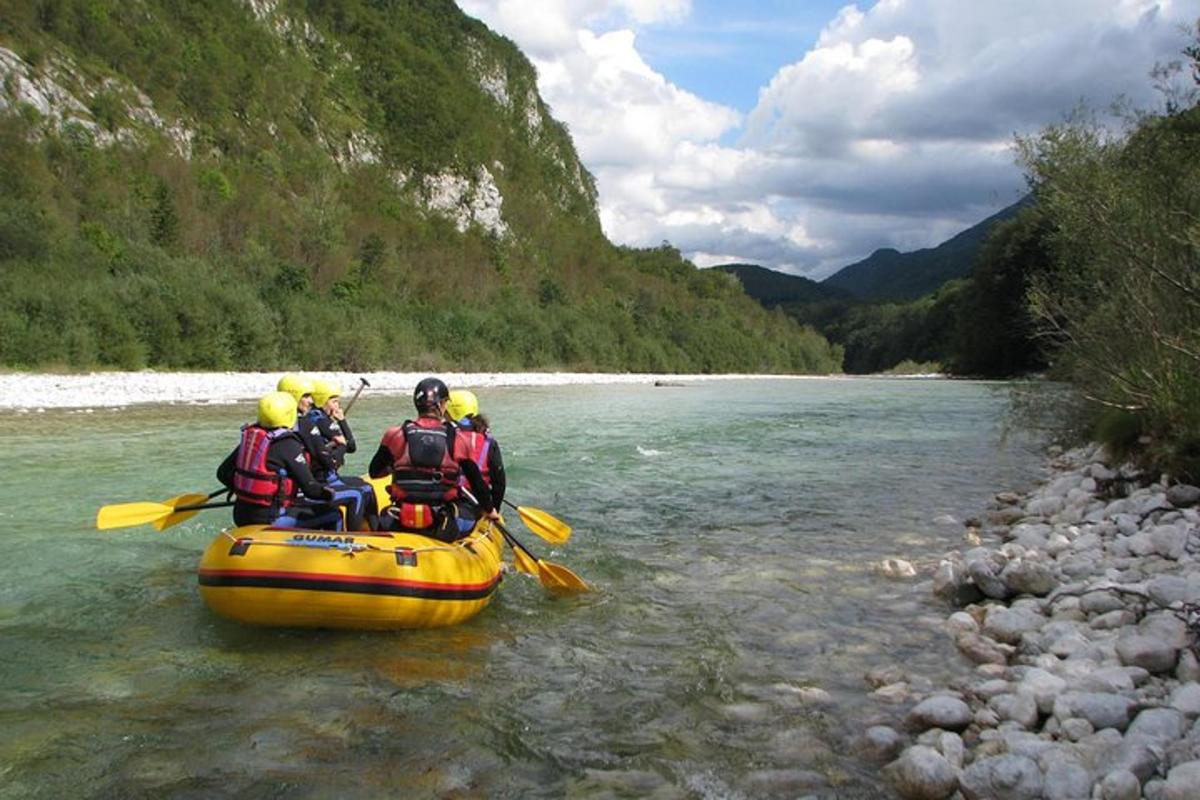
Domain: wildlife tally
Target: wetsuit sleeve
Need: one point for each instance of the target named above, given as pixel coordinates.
(334, 453)
(310, 434)
(381, 463)
(225, 471)
(288, 454)
(496, 472)
(478, 488)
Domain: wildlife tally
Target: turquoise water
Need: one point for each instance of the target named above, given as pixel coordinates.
(729, 529)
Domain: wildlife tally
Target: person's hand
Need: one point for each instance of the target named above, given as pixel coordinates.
(493, 515)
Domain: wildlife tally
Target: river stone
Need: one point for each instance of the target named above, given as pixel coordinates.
(1029, 576)
(981, 649)
(1182, 495)
(1066, 781)
(1157, 725)
(884, 675)
(1155, 502)
(985, 572)
(1043, 687)
(1147, 651)
(1107, 680)
(1019, 708)
(951, 746)
(1120, 618)
(1183, 782)
(1030, 535)
(940, 711)
(1188, 668)
(1166, 590)
(1154, 789)
(1102, 710)
(1044, 506)
(1136, 756)
(1120, 784)
(952, 583)
(879, 743)
(1009, 624)
(961, 622)
(1076, 729)
(1100, 602)
(1186, 699)
(1003, 777)
(921, 773)
(1170, 541)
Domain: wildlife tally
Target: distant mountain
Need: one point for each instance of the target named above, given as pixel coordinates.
(888, 274)
(773, 288)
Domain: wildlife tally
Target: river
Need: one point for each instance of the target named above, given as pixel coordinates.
(729, 530)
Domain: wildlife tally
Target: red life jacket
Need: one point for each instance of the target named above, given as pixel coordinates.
(480, 445)
(253, 480)
(425, 456)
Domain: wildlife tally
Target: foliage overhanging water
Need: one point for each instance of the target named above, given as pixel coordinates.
(729, 529)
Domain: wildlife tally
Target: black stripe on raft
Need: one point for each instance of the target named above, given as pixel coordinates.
(425, 592)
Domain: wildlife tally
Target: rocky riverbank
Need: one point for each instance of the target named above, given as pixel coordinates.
(1080, 607)
(36, 392)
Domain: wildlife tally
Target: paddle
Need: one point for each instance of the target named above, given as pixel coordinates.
(169, 512)
(362, 385)
(554, 577)
(542, 523)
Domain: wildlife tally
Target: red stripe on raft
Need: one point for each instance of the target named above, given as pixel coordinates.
(335, 578)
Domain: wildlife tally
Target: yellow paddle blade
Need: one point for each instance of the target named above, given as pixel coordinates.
(126, 515)
(162, 523)
(559, 580)
(545, 525)
(523, 562)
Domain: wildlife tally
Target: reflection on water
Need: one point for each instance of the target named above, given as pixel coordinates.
(729, 530)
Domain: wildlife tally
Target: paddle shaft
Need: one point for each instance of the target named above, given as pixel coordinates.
(200, 506)
(362, 385)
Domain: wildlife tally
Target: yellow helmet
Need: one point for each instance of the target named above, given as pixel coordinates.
(295, 385)
(323, 390)
(462, 404)
(277, 410)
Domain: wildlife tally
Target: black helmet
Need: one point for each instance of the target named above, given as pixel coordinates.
(429, 394)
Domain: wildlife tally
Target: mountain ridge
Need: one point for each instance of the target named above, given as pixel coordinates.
(889, 274)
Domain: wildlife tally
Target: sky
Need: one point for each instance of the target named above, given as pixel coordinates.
(802, 135)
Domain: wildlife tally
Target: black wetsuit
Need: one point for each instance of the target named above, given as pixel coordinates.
(319, 432)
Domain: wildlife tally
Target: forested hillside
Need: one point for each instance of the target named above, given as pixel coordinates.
(274, 183)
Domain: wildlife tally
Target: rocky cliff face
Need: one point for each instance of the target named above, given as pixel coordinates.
(69, 97)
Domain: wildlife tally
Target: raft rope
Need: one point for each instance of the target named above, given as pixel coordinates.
(351, 548)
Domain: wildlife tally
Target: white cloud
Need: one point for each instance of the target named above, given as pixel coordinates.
(893, 130)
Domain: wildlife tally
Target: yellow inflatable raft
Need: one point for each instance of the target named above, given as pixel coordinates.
(288, 577)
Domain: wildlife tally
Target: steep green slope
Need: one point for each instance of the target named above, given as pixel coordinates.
(268, 183)
(888, 274)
